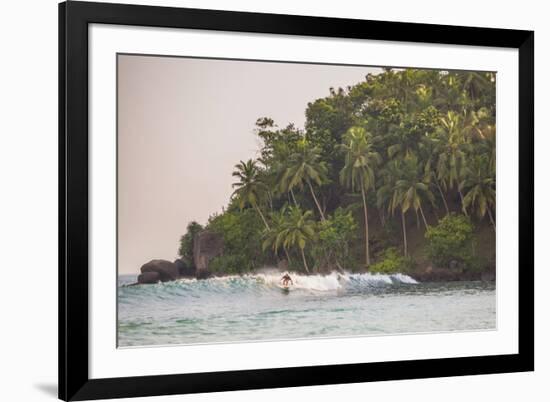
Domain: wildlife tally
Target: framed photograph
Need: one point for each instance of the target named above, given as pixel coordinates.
(259, 201)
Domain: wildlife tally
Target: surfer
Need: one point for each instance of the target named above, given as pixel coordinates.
(286, 279)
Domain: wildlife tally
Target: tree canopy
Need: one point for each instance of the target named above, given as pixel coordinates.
(401, 146)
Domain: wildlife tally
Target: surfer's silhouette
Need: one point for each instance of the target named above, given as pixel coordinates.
(286, 279)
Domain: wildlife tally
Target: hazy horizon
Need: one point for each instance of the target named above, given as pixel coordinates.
(183, 124)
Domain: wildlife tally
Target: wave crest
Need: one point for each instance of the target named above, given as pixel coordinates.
(332, 281)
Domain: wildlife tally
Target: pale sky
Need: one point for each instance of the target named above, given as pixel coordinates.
(182, 126)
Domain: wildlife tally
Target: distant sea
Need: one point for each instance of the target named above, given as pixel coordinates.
(254, 307)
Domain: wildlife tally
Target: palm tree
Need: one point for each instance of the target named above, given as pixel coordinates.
(476, 83)
(296, 230)
(389, 194)
(249, 188)
(358, 170)
(453, 147)
(480, 185)
(451, 142)
(413, 188)
(386, 193)
(404, 143)
(272, 236)
(488, 144)
(428, 153)
(305, 167)
(276, 164)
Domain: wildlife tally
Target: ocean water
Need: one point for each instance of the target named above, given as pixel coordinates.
(254, 307)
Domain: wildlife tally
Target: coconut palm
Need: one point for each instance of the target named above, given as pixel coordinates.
(297, 229)
(249, 188)
(453, 146)
(476, 83)
(428, 154)
(358, 171)
(305, 167)
(388, 194)
(276, 164)
(452, 152)
(272, 236)
(413, 188)
(480, 187)
(487, 144)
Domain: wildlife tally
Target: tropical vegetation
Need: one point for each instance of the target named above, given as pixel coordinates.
(397, 169)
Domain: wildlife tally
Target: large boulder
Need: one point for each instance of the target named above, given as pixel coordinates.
(207, 245)
(148, 277)
(184, 268)
(167, 271)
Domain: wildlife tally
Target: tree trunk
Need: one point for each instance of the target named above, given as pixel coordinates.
(287, 256)
(315, 199)
(462, 202)
(442, 196)
(304, 260)
(262, 215)
(404, 233)
(293, 197)
(339, 266)
(423, 217)
(491, 219)
(367, 255)
(270, 200)
(382, 217)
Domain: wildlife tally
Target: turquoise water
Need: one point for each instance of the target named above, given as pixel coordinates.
(254, 307)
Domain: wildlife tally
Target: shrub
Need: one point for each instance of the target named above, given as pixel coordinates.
(391, 262)
(452, 239)
(242, 241)
(228, 264)
(335, 234)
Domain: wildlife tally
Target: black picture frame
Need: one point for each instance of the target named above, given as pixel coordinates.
(74, 381)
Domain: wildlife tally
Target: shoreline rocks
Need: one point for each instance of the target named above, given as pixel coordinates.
(185, 269)
(165, 270)
(207, 245)
(148, 277)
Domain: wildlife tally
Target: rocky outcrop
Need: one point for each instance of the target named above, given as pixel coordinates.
(185, 269)
(148, 277)
(166, 270)
(207, 245)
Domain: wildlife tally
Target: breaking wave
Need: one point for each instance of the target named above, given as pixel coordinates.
(270, 281)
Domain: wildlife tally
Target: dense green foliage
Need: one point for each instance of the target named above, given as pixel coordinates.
(401, 146)
(185, 250)
(241, 233)
(335, 234)
(451, 239)
(392, 261)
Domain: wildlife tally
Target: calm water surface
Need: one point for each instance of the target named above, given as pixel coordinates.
(254, 307)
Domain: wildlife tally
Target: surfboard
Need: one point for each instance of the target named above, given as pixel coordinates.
(284, 288)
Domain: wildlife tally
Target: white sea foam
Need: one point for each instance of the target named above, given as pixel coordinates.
(317, 282)
(333, 281)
